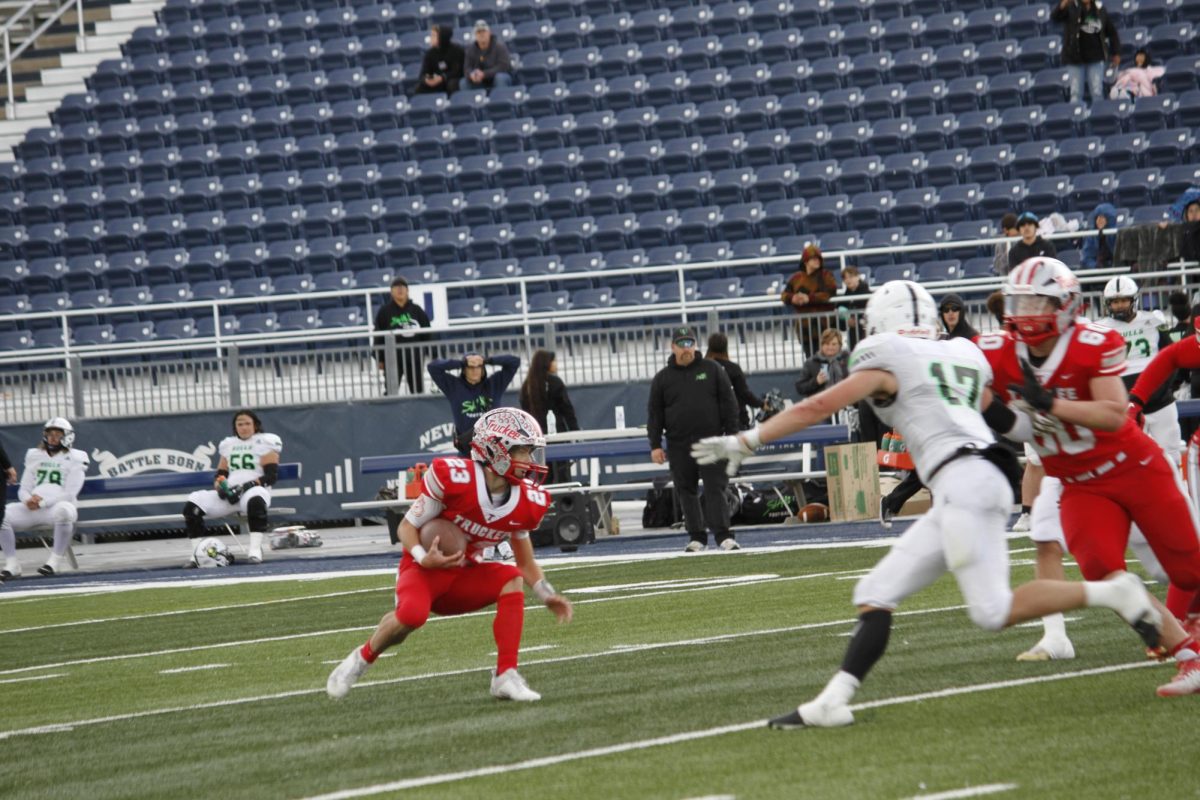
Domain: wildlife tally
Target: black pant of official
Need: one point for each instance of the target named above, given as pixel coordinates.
(686, 474)
(905, 489)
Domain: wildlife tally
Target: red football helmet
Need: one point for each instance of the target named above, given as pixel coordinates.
(497, 432)
(1041, 299)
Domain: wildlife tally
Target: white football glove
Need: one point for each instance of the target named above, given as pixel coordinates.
(1043, 424)
(714, 449)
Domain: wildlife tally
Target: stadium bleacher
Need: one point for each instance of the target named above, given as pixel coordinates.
(233, 152)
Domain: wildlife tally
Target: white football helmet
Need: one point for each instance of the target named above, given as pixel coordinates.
(1121, 287)
(211, 552)
(902, 307)
(68, 433)
(1041, 299)
(497, 432)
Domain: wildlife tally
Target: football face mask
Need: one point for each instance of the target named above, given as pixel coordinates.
(510, 441)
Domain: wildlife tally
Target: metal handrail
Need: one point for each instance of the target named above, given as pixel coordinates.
(11, 56)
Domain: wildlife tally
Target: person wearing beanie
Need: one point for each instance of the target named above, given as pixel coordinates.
(442, 67)
(1030, 245)
(951, 311)
(807, 293)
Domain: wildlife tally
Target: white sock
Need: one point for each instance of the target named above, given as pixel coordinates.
(64, 532)
(256, 540)
(1101, 594)
(8, 540)
(53, 561)
(1055, 626)
(840, 689)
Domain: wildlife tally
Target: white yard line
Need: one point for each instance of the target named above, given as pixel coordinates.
(644, 744)
(969, 791)
(66, 726)
(34, 678)
(192, 669)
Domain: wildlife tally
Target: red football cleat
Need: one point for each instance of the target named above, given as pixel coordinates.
(1185, 682)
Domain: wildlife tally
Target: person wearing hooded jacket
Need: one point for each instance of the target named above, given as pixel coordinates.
(1089, 42)
(442, 67)
(1098, 250)
(950, 311)
(807, 293)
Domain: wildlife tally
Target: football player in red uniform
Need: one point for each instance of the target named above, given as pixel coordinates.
(1067, 372)
(493, 497)
(1184, 354)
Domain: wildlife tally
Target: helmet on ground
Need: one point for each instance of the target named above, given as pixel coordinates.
(1041, 299)
(501, 430)
(902, 307)
(68, 433)
(1121, 287)
(211, 552)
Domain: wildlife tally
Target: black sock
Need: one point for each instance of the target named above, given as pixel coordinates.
(867, 643)
(1024, 509)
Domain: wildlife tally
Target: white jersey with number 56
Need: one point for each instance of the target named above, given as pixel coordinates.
(244, 456)
(938, 407)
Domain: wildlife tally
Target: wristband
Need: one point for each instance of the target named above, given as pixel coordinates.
(751, 438)
(418, 553)
(222, 473)
(544, 590)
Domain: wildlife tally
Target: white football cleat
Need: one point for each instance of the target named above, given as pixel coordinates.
(511, 686)
(1185, 682)
(52, 566)
(1136, 609)
(346, 674)
(815, 714)
(254, 554)
(730, 544)
(1049, 650)
(694, 547)
(12, 569)
(1022, 524)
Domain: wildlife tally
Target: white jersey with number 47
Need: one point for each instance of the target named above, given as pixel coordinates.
(938, 407)
(244, 456)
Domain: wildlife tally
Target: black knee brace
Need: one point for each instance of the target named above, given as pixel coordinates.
(868, 642)
(193, 517)
(256, 514)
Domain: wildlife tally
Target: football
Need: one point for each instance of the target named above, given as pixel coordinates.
(451, 539)
(814, 512)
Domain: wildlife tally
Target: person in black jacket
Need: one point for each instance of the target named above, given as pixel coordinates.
(1031, 244)
(402, 314)
(950, 310)
(544, 393)
(442, 67)
(718, 351)
(10, 476)
(473, 391)
(827, 367)
(1089, 41)
(691, 398)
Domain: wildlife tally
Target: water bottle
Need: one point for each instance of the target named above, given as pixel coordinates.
(620, 417)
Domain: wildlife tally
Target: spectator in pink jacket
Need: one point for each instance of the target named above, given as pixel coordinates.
(1138, 80)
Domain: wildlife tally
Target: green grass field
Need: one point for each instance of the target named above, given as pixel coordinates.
(658, 689)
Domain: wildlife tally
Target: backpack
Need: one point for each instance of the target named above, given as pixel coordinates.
(661, 511)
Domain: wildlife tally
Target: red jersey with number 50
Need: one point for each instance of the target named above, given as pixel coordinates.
(455, 489)
(1083, 352)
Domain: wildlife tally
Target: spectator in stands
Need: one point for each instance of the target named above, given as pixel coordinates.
(1090, 41)
(544, 393)
(1031, 244)
(442, 67)
(50, 482)
(952, 313)
(10, 474)
(807, 293)
(691, 398)
(1098, 250)
(827, 367)
(855, 285)
(718, 351)
(401, 314)
(487, 62)
(1138, 80)
(1008, 224)
(473, 391)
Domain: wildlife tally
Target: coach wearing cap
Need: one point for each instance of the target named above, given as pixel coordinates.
(488, 63)
(691, 398)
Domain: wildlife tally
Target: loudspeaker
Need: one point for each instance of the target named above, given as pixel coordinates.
(567, 524)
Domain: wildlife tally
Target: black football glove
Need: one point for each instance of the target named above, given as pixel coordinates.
(1031, 391)
(233, 494)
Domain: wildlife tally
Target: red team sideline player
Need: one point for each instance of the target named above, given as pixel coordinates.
(1068, 370)
(493, 497)
(1184, 354)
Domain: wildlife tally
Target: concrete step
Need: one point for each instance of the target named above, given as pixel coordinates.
(92, 57)
(66, 75)
(120, 26)
(112, 41)
(55, 92)
(130, 11)
(39, 113)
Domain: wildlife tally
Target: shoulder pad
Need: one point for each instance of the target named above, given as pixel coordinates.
(271, 440)
(80, 457)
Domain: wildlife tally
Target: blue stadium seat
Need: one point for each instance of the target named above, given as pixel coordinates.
(720, 288)
(1090, 189)
(931, 271)
(827, 214)
(133, 332)
(505, 305)
(996, 57)
(806, 144)
(1109, 117)
(549, 302)
(902, 171)
(977, 128)
(1138, 187)
(957, 203)
(914, 206)
(934, 132)
(882, 102)
(1124, 151)
(343, 318)
(592, 299)
(88, 335)
(1047, 195)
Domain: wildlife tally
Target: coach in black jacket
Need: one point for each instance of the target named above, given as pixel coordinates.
(691, 398)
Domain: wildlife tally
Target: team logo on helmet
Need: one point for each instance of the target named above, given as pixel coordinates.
(501, 430)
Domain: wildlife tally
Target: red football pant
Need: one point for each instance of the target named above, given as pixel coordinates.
(447, 591)
(1096, 516)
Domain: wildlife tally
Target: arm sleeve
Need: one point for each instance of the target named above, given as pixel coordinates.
(654, 414)
(1184, 354)
(789, 289)
(499, 382)
(1059, 13)
(560, 404)
(423, 510)
(270, 474)
(438, 369)
(1110, 30)
(727, 404)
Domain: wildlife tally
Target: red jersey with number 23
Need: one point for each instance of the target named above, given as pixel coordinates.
(1084, 352)
(455, 489)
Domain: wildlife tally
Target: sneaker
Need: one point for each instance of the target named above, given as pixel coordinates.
(814, 714)
(511, 686)
(1136, 609)
(51, 566)
(729, 544)
(346, 674)
(1049, 650)
(694, 547)
(1185, 682)
(885, 514)
(1022, 524)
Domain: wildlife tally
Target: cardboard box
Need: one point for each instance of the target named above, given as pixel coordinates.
(853, 478)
